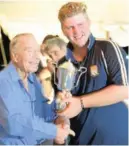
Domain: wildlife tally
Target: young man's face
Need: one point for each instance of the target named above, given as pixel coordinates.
(28, 54)
(77, 29)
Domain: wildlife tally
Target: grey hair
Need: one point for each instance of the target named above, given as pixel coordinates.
(15, 41)
(57, 41)
(70, 9)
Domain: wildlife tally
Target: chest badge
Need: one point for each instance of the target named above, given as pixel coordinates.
(94, 70)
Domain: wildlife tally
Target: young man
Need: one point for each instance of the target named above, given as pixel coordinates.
(100, 116)
(25, 117)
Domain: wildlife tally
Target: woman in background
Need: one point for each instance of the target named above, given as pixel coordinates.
(53, 50)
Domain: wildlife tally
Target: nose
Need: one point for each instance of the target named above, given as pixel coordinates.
(76, 30)
(54, 58)
(38, 55)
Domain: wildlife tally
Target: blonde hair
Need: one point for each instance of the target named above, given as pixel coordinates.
(71, 9)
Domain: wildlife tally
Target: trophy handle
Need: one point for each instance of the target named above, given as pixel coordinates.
(55, 74)
(82, 70)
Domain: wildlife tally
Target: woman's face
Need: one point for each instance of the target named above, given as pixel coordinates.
(56, 53)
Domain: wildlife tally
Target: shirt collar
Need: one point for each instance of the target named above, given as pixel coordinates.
(69, 54)
(14, 74)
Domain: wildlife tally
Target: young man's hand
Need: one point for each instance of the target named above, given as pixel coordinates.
(64, 96)
(74, 106)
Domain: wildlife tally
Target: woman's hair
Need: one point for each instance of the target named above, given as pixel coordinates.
(71, 9)
(57, 41)
(47, 37)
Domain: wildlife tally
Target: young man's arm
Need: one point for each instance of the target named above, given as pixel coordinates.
(117, 68)
(118, 91)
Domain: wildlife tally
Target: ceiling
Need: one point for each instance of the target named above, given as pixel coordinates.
(105, 11)
(106, 15)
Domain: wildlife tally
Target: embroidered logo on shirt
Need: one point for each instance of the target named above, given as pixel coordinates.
(94, 71)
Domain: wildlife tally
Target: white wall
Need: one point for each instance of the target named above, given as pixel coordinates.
(40, 18)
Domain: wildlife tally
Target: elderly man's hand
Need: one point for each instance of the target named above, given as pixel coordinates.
(63, 122)
(62, 133)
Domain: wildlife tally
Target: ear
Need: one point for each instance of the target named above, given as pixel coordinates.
(62, 28)
(14, 57)
(64, 49)
(89, 22)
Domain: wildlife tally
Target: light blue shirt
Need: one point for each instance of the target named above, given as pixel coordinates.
(25, 117)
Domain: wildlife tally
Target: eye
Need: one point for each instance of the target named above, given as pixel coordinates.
(70, 27)
(56, 53)
(80, 25)
(29, 52)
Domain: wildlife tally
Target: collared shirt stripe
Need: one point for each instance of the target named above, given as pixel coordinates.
(105, 63)
(121, 62)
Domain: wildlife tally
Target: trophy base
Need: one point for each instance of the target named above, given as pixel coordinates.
(60, 111)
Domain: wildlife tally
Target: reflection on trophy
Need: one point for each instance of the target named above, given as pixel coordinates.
(66, 77)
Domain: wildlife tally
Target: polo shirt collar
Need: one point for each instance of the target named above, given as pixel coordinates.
(69, 54)
(14, 74)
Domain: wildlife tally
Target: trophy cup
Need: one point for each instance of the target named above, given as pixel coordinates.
(66, 75)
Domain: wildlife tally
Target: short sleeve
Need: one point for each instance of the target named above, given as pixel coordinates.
(116, 62)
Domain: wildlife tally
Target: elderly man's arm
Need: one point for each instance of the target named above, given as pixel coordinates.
(16, 126)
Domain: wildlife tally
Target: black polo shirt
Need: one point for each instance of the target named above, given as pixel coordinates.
(106, 64)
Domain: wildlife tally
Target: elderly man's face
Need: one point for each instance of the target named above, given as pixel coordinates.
(28, 54)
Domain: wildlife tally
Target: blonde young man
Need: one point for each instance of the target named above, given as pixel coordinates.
(25, 117)
(99, 115)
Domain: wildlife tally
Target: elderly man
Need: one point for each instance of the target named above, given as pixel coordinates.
(100, 116)
(25, 117)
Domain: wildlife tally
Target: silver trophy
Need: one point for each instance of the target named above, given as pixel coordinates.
(66, 75)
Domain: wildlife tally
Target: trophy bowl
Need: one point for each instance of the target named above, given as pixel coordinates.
(65, 78)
